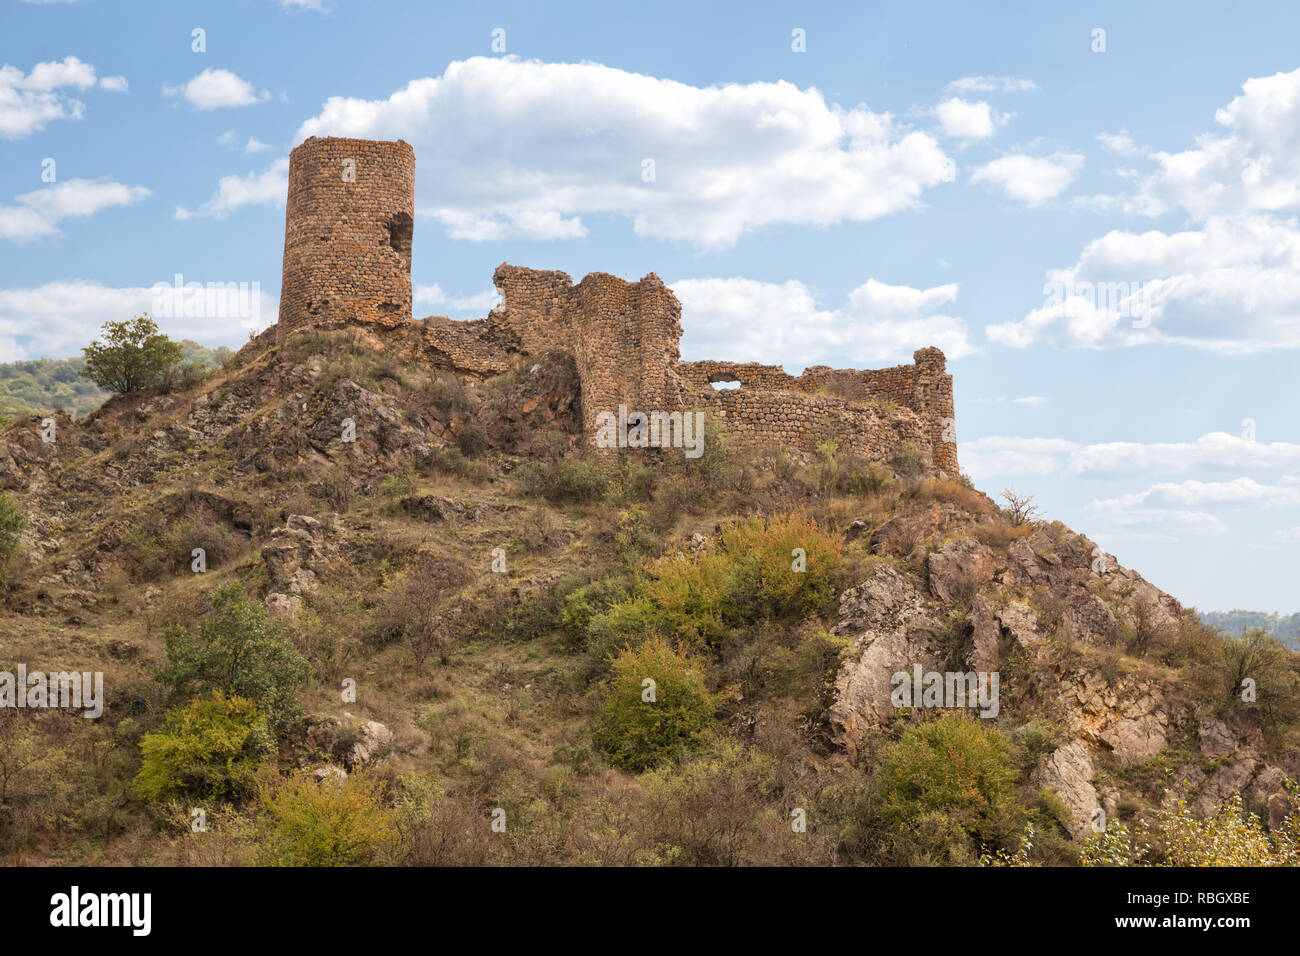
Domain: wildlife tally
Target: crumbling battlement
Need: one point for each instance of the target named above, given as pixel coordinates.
(347, 258)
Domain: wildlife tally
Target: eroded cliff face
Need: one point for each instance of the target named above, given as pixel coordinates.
(1048, 614)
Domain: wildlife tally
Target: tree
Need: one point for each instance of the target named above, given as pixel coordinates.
(239, 651)
(1020, 509)
(134, 355)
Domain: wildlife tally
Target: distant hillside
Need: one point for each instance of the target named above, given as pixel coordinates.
(44, 385)
(1285, 628)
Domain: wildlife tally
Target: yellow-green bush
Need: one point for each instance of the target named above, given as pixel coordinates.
(781, 568)
(952, 767)
(333, 823)
(211, 747)
(641, 725)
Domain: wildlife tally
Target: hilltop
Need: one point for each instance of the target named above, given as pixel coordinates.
(481, 689)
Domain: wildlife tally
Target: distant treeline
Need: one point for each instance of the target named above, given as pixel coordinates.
(46, 385)
(1285, 627)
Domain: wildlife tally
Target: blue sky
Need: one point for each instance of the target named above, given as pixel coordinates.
(1104, 241)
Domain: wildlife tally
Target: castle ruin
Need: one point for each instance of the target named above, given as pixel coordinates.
(347, 259)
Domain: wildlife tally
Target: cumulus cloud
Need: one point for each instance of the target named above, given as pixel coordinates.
(991, 84)
(36, 215)
(1253, 165)
(213, 89)
(963, 119)
(746, 320)
(29, 101)
(1230, 280)
(115, 84)
(56, 319)
(256, 188)
(1232, 285)
(1032, 180)
(510, 148)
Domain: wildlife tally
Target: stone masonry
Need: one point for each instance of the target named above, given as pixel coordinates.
(347, 258)
(348, 226)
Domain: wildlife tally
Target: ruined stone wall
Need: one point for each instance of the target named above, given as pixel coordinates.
(349, 224)
(923, 387)
(623, 335)
(347, 258)
(802, 421)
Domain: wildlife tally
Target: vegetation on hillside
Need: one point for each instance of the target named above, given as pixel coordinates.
(1285, 627)
(577, 660)
(41, 386)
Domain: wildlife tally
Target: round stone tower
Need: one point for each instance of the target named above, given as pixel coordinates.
(347, 233)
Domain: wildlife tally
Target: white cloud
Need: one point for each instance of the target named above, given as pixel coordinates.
(1253, 166)
(1230, 281)
(115, 84)
(70, 314)
(999, 455)
(29, 101)
(1032, 180)
(213, 89)
(1165, 519)
(36, 215)
(255, 145)
(1120, 142)
(1231, 286)
(315, 5)
(962, 119)
(514, 148)
(433, 297)
(267, 187)
(1239, 491)
(1215, 451)
(745, 320)
(991, 84)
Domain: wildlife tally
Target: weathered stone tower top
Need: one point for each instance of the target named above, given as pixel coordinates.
(347, 233)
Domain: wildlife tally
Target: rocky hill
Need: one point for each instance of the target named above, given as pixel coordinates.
(477, 602)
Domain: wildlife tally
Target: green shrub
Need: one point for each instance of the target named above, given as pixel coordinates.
(333, 823)
(575, 479)
(748, 577)
(211, 748)
(12, 523)
(638, 732)
(237, 649)
(956, 768)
